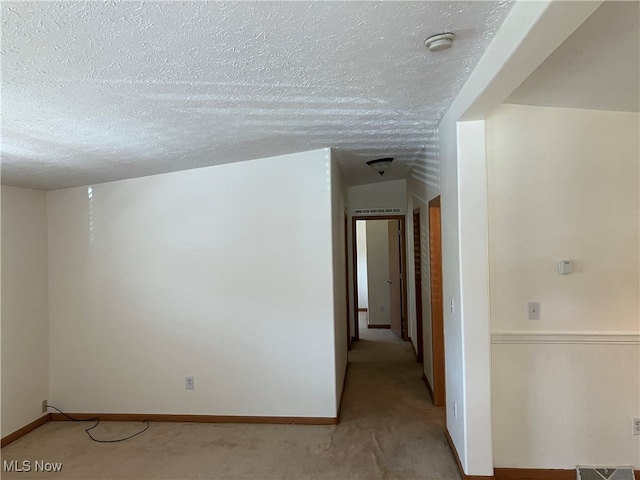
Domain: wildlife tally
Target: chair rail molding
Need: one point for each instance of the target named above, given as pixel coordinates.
(594, 338)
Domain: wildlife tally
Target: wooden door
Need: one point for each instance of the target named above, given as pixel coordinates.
(417, 259)
(437, 324)
(395, 279)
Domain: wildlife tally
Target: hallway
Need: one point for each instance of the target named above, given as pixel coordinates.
(387, 406)
(388, 429)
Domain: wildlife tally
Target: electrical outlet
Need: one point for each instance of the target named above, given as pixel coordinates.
(44, 406)
(534, 310)
(189, 383)
(635, 423)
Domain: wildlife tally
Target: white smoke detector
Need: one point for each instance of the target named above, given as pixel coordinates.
(439, 42)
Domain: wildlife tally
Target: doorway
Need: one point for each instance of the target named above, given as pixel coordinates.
(394, 283)
(437, 323)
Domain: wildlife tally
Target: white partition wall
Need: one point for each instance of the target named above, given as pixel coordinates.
(222, 273)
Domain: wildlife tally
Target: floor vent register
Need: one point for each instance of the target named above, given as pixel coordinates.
(605, 473)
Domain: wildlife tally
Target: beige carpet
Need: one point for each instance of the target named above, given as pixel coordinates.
(389, 429)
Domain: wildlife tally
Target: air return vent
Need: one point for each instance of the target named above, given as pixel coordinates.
(376, 211)
(605, 473)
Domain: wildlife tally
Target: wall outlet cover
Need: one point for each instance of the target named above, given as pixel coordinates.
(44, 406)
(534, 310)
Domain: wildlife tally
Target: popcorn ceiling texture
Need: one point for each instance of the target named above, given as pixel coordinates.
(100, 91)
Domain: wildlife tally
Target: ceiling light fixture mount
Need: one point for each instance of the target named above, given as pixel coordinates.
(439, 42)
(380, 164)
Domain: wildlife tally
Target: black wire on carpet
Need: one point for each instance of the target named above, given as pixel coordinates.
(97, 420)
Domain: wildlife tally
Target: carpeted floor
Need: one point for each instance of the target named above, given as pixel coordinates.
(388, 429)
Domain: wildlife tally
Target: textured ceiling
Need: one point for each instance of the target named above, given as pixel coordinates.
(597, 67)
(100, 91)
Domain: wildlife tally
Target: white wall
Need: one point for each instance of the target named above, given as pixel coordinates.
(390, 194)
(361, 261)
(456, 367)
(474, 290)
(563, 184)
(224, 273)
(25, 329)
(378, 271)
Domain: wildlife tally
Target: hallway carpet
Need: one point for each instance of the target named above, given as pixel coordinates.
(388, 429)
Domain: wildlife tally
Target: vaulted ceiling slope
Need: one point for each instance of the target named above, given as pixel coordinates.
(100, 91)
(597, 67)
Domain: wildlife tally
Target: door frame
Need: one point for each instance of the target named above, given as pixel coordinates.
(346, 276)
(437, 321)
(394, 279)
(403, 266)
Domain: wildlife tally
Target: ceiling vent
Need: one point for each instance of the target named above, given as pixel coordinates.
(376, 211)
